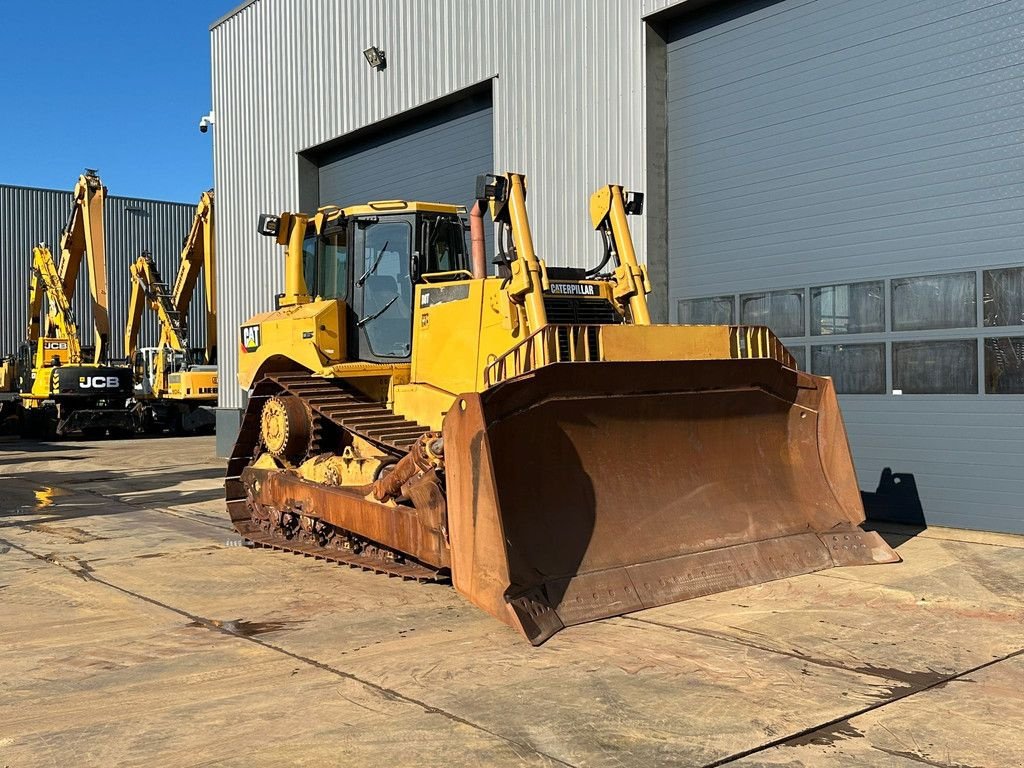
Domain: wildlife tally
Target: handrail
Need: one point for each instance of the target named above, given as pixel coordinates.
(757, 341)
(563, 343)
(550, 344)
(450, 275)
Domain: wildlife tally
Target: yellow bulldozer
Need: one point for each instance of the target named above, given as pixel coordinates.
(531, 435)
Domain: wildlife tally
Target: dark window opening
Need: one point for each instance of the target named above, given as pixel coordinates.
(935, 367)
(781, 311)
(1004, 365)
(848, 308)
(856, 369)
(1003, 298)
(713, 310)
(934, 301)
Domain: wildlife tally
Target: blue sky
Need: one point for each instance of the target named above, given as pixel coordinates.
(108, 84)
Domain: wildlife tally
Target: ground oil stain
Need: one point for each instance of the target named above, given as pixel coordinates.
(825, 737)
(241, 627)
(917, 680)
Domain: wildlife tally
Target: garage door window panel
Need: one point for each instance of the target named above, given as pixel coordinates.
(1004, 365)
(935, 367)
(856, 369)
(1003, 296)
(781, 311)
(711, 310)
(848, 308)
(934, 301)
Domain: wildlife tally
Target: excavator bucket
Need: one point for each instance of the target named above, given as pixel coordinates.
(580, 491)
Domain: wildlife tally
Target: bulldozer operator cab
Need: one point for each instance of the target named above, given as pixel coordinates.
(371, 260)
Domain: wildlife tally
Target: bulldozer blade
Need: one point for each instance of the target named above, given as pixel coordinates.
(582, 491)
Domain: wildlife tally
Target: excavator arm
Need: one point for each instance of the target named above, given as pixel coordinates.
(36, 292)
(173, 385)
(198, 255)
(61, 322)
(137, 296)
(83, 240)
(148, 287)
(171, 305)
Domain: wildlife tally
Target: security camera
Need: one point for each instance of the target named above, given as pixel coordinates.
(205, 122)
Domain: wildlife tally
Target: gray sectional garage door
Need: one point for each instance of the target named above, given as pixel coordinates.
(852, 174)
(435, 157)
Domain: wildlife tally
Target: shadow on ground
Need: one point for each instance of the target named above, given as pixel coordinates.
(894, 509)
(55, 496)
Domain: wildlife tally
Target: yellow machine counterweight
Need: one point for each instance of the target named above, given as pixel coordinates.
(530, 436)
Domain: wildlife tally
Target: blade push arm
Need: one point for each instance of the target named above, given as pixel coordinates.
(609, 207)
(507, 197)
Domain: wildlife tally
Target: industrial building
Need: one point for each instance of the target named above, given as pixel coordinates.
(848, 173)
(29, 216)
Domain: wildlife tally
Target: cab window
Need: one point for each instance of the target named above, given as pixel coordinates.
(325, 265)
(387, 288)
(446, 247)
(332, 266)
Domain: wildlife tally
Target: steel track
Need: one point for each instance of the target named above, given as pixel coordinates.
(329, 401)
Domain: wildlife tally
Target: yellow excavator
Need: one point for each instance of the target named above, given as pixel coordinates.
(10, 401)
(173, 389)
(531, 435)
(60, 392)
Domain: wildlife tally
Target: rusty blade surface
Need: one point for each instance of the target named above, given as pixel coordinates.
(590, 490)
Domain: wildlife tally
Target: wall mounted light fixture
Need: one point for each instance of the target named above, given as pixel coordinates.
(375, 58)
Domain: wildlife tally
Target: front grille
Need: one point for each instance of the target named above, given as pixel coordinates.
(565, 310)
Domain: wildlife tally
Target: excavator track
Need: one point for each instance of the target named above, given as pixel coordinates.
(334, 402)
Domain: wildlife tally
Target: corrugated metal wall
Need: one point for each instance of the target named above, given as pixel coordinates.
(29, 216)
(437, 161)
(819, 143)
(289, 75)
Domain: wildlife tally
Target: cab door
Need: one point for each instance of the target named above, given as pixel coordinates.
(380, 328)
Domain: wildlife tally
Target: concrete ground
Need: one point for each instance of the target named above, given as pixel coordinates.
(135, 630)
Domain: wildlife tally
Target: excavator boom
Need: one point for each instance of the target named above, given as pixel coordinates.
(83, 239)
